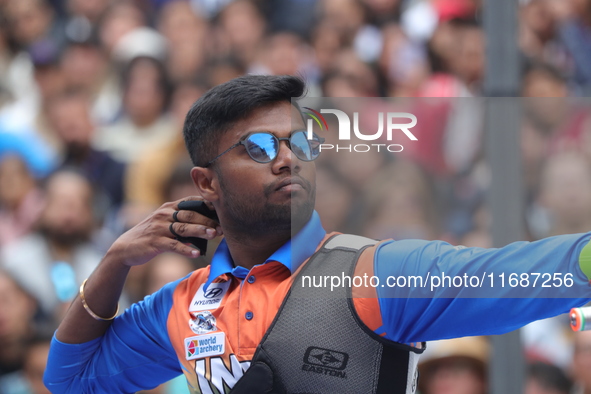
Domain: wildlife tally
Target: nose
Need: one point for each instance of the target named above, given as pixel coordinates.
(285, 159)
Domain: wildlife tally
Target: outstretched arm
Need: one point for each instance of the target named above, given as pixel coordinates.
(495, 290)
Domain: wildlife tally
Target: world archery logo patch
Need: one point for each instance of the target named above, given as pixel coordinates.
(202, 322)
(207, 345)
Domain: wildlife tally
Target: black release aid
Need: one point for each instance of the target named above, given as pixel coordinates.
(199, 207)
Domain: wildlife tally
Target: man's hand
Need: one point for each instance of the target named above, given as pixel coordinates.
(137, 246)
(152, 236)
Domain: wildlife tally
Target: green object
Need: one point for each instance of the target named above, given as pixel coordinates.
(585, 260)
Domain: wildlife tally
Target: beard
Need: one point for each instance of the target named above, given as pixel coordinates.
(248, 217)
(65, 237)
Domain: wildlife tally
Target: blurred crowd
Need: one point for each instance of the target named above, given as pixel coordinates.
(93, 95)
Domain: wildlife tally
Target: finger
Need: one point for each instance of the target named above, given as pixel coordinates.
(191, 230)
(174, 233)
(167, 214)
(193, 217)
(172, 245)
(164, 214)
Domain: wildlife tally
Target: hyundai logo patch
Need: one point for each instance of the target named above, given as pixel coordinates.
(209, 299)
(212, 293)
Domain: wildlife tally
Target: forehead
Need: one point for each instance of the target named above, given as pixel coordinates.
(66, 185)
(279, 118)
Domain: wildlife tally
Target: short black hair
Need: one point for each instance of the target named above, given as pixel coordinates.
(218, 109)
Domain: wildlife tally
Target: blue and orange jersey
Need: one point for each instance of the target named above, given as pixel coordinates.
(208, 325)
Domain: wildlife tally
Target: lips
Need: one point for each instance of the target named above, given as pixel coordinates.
(292, 180)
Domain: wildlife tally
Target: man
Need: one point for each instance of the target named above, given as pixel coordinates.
(582, 363)
(70, 117)
(455, 366)
(17, 310)
(239, 324)
(61, 248)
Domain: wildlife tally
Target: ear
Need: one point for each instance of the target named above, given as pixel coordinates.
(205, 180)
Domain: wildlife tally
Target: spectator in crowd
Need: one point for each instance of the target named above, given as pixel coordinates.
(241, 31)
(147, 176)
(582, 362)
(383, 11)
(60, 253)
(575, 33)
(538, 39)
(402, 62)
(399, 203)
(164, 268)
(362, 75)
(283, 54)
(30, 21)
(455, 366)
(17, 309)
(551, 122)
(335, 84)
(119, 19)
(468, 62)
(222, 70)
(86, 68)
(16, 80)
(441, 50)
(326, 44)
(21, 200)
(144, 122)
(50, 81)
(542, 80)
(565, 193)
(89, 11)
(347, 17)
(35, 363)
(186, 32)
(69, 116)
(545, 378)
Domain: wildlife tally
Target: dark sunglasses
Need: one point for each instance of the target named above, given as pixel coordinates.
(263, 147)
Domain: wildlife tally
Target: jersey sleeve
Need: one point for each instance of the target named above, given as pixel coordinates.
(134, 354)
(485, 302)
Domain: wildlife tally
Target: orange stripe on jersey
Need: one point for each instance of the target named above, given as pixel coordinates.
(365, 298)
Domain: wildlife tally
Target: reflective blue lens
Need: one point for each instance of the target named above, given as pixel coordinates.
(301, 146)
(262, 147)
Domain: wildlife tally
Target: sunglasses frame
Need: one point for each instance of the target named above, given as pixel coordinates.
(288, 139)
